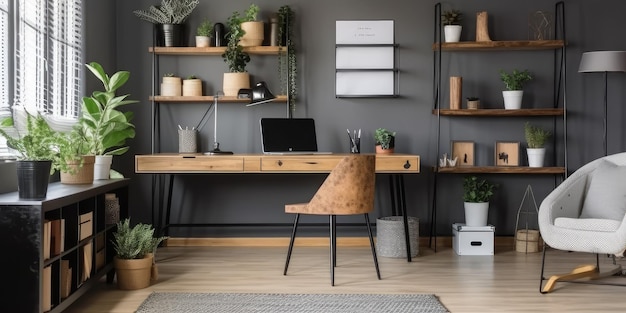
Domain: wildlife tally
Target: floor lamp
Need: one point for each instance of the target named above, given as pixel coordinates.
(603, 62)
(216, 145)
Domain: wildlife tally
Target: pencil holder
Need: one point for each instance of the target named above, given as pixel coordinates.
(187, 139)
(355, 145)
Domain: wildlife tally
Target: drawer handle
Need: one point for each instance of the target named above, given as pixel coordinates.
(312, 163)
(280, 163)
(407, 165)
(188, 157)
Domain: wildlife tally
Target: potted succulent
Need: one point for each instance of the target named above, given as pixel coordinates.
(169, 18)
(536, 138)
(385, 140)
(253, 33)
(287, 64)
(105, 128)
(514, 83)
(171, 85)
(36, 151)
(476, 196)
(204, 32)
(451, 20)
(134, 247)
(236, 59)
(192, 86)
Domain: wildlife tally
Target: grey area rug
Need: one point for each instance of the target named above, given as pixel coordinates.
(172, 302)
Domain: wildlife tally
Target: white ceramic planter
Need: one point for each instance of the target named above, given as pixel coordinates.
(512, 99)
(536, 156)
(452, 33)
(476, 213)
(203, 41)
(102, 167)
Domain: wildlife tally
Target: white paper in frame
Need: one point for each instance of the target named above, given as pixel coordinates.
(364, 57)
(364, 32)
(364, 83)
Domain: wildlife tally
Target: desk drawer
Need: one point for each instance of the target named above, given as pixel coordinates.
(398, 163)
(299, 164)
(187, 163)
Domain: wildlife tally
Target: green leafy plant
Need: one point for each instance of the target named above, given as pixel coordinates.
(37, 144)
(251, 13)
(384, 137)
(192, 77)
(169, 75)
(451, 17)
(205, 29)
(71, 147)
(234, 56)
(516, 79)
(106, 129)
(536, 137)
(288, 79)
(169, 12)
(477, 190)
(133, 242)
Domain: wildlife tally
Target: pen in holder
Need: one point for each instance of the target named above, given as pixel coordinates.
(187, 140)
(355, 145)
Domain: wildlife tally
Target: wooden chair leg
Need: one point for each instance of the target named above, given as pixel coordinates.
(579, 272)
(291, 241)
(369, 232)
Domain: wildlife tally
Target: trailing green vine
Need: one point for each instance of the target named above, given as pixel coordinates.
(288, 78)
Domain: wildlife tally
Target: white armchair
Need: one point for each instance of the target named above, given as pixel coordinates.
(586, 213)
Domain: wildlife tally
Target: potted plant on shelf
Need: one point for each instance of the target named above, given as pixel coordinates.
(253, 33)
(36, 151)
(385, 140)
(171, 85)
(192, 86)
(133, 262)
(105, 128)
(287, 64)
(536, 138)
(476, 196)
(514, 83)
(169, 19)
(451, 20)
(236, 59)
(74, 160)
(204, 33)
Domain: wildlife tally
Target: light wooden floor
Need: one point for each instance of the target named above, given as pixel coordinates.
(506, 282)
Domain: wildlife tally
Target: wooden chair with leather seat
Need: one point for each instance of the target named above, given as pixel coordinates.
(348, 190)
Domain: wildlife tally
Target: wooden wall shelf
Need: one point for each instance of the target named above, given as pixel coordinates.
(500, 45)
(501, 170)
(204, 99)
(259, 50)
(500, 112)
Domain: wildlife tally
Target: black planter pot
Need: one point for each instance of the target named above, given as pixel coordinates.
(32, 179)
(170, 35)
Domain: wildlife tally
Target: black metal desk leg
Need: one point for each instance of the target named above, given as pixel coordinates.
(168, 210)
(398, 206)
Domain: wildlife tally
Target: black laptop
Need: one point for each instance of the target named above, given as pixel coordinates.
(289, 136)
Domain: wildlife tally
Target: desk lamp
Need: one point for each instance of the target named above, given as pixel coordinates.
(260, 94)
(216, 145)
(603, 62)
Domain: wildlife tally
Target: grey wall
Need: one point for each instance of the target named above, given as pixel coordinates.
(591, 25)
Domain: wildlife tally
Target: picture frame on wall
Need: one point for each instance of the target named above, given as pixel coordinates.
(507, 153)
(463, 151)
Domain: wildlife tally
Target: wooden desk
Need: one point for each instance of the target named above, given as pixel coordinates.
(173, 163)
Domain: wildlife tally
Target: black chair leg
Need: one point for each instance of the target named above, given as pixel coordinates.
(335, 240)
(332, 249)
(369, 232)
(293, 238)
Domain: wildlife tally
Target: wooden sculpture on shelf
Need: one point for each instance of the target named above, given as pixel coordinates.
(482, 31)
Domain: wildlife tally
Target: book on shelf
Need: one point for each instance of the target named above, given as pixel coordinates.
(46, 288)
(47, 233)
(57, 230)
(86, 225)
(66, 279)
(86, 258)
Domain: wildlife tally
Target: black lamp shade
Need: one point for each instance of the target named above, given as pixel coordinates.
(261, 94)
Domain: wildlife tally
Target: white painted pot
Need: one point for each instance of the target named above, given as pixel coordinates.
(203, 41)
(536, 156)
(512, 99)
(476, 213)
(452, 33)
(102, 167)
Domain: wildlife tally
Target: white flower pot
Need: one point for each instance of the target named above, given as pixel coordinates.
(102, 167)
(203, 41)
(452, 33)
(512, 99)
(476, 213)
(536, 156)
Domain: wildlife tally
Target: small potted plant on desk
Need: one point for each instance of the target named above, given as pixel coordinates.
(476, 195)
(536, 138)
(514, 83)
(385, 140)
(37, 150)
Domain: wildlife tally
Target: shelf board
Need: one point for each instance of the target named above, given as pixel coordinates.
(500, 112)
(262, 50)
(501, 170)
(500, 45)
(205, 99)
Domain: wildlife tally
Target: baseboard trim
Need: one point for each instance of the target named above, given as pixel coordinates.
(305, 241)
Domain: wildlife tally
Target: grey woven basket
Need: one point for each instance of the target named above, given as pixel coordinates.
(390, 239)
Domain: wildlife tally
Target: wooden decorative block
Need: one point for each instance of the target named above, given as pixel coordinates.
(464, 152)
(506, 153)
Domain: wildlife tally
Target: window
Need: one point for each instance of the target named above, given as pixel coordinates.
(42, 56)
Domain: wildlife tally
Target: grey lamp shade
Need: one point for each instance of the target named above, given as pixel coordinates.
(603, 61)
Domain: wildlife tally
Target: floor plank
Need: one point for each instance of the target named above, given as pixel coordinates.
(505, 282)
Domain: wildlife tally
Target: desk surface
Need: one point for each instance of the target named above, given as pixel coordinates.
(174, 163)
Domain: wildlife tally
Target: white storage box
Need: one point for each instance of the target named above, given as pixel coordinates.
(472, 240)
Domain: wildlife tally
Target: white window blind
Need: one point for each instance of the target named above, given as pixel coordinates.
(42, 57)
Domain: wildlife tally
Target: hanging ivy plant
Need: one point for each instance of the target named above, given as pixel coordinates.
(286, 36)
